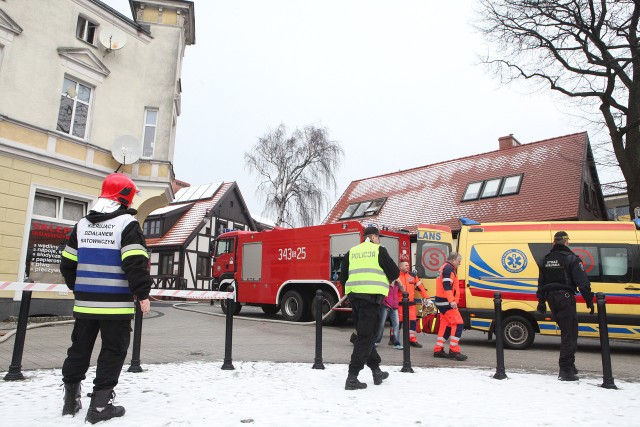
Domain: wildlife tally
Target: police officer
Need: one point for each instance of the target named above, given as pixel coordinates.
(367, 269)
(105, 265)
(561, 271)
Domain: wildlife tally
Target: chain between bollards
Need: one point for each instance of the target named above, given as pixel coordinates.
(607, 373)
(500, 371)
(15, 369)
(137, 340)
(318, 360)
(406, 349)
(228, 338)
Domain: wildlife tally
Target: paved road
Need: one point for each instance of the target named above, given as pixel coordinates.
(173, 335)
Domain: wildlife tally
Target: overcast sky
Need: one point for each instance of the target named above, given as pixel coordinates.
(396, 83)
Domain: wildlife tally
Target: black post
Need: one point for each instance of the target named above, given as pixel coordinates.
(15, 373)
(406, 346)
(607, 373)
(500, 372)
(318, 360)
(137, 340)
(228, 337)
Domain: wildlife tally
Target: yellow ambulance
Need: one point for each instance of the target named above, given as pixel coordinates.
(504, 257)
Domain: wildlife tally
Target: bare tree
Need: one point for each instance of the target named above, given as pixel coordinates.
(294, 172)
(588, 50)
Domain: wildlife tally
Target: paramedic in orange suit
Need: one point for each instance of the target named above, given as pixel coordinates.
(447, 298)
(410, 282)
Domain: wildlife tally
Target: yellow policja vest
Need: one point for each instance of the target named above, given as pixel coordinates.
(365, 274)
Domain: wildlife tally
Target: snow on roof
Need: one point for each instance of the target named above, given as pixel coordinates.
(433, 193)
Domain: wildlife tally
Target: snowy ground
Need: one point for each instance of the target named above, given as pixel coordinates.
(293, 394)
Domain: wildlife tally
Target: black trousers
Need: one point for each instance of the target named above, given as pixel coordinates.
(563, 308)
(366, 316)
(115, 336)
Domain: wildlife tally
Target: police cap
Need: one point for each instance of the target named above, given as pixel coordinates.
(372, 229)
(560, 235)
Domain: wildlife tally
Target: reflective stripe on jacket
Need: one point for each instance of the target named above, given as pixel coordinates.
(365, 274)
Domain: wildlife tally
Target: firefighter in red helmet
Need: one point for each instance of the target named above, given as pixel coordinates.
(104, 263)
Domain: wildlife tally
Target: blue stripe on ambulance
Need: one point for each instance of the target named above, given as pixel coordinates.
(477, 260)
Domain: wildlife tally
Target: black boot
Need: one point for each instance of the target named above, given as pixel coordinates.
(101, 408)
(353, 383)
(379, 375)
(72, 403)
(567, 374)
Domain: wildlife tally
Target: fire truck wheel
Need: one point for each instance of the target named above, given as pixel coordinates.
(328, 301)
(237, 308)
(270, 309)
(293, 306)
(517, 332)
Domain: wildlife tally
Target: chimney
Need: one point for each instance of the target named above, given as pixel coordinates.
(508, 142)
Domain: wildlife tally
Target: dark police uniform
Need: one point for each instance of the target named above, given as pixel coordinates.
(561, 271)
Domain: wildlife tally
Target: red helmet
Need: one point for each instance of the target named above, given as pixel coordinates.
(120, 188)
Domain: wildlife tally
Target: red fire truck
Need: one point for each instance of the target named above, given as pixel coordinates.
(281, 269)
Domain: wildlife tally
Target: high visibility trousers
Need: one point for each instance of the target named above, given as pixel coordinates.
(444, 332)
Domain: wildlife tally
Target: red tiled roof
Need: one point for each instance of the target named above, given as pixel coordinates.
(550, 188)
(190, 220)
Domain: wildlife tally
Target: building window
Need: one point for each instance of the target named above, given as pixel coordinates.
(361, 209)
(491, 188)
(58, 207)
(86, 30)
(74, 108)
(237, 226)
(511, 185)
(165, 264)
(473, 191)
(150, 125)
(204, 266)
(151, 228)
(221, 226)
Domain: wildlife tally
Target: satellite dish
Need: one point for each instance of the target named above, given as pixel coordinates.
(112, 38)
(126, 149)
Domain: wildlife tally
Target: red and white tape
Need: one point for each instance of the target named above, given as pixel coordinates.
(50, 287)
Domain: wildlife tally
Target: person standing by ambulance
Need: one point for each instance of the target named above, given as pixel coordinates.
(105, 264)
(367, 269)
(561, 271)
(447, 299)
(410, 282)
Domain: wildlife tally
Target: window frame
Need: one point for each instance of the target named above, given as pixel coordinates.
(145, 125)
(203, 262)
(165, 259)
(363, 208)
(89, 104)
(85, 30)
(60, 202)
(485, 184)
(465, 198)
(504, 184)
(147, 229)
(579, 248)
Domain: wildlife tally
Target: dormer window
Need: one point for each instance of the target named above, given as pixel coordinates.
(362, 209)
(151, 228)
(86, 30)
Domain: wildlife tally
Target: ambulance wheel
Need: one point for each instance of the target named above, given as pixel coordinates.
(328, 301)
(292, 306)
(517, 332)
(237, 308)
(270, 309)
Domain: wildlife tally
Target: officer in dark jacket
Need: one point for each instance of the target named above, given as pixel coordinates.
(561, 271)
(367, 269)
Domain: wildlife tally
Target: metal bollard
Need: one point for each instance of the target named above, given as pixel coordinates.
(137, 340)
(15, 373)
(406, 346)
(607, 373)
(318, 360)
(500, 372)
(228, 337)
